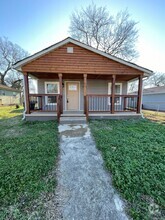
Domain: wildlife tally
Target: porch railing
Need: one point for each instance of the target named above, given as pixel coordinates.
(102, 103)
(45, 103)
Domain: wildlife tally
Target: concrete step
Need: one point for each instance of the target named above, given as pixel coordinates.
(73, 120)
(73, 112)
(72, 115)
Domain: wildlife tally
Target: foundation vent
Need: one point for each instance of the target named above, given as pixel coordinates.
(69, 49)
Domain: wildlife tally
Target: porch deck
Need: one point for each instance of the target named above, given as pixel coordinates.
(43, 116)
(50, 107)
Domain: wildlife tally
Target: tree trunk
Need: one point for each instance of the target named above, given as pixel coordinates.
(2, 80)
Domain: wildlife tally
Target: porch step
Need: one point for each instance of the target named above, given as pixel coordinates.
(72, 115)
(72, 120)
(73, 112)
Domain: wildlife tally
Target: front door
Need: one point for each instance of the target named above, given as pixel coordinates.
(72, 95)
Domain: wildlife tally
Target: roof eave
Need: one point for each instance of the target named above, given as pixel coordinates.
(153, 93)
(146, 71)
(18, 65)
(12, 90)
(29, 59)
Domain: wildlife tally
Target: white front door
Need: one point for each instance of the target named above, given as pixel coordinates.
(72, 95)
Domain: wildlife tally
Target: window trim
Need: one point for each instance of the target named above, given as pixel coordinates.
(109, 92)
(46, 97)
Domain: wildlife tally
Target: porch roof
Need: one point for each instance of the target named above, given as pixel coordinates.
(80, 76)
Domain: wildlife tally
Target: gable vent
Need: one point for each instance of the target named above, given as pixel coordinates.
(69, 49)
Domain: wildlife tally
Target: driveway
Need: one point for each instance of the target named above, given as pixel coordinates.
(84, 190)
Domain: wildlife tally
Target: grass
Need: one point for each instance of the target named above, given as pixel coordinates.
(9, 112)
(134, 152)
(28, 152)
(155, 116)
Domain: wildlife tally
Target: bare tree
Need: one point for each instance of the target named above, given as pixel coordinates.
(158, 79)
(14, 79)
(115, 35)
(9, 54)
(133, 86)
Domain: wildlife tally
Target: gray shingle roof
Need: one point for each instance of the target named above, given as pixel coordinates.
(153, 90)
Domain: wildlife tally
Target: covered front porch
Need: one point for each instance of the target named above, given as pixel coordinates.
(73, 76)
(89, 95)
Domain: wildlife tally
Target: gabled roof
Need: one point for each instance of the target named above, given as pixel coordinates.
(3, 87)
(151, 91)
(26, 60)
(154, 90)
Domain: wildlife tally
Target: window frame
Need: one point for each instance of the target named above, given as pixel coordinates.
(46, 97)
(109, 92)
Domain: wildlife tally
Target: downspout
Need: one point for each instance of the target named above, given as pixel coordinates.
(24, 99)
(145, 78)
(142, 100)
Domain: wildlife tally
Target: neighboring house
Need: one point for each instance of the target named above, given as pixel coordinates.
(154, 98)
(9, 96)
(76, 79)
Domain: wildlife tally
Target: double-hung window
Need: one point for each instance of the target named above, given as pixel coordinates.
(118, 91)
(52, 88)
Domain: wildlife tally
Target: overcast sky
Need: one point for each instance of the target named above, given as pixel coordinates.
(36, 24)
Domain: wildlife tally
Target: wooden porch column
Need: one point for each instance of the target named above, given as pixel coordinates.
(26, 90)
(85, 93)
(139, 100)
(60, 84)
(113, 94)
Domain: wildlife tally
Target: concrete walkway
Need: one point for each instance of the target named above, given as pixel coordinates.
(84, 190)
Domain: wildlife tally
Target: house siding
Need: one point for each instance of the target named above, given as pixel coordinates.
(4, 92)
(9, 97)
(79, 62)
(9, 100)
(93, 87)
(101, 86)
(154, 101)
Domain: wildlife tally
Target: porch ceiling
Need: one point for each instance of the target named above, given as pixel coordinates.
(80, 76)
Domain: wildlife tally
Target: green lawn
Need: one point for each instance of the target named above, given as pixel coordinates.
(134, 152)
(154, 116)
(28, 154)
(7, 112)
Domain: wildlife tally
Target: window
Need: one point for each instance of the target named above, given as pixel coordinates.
(118, 91)
(72, 87)
(2, 92)
(52, 88)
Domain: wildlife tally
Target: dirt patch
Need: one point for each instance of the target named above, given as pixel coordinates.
(12, 132)
(11, 127)
(155, 116)
(74, 133)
